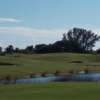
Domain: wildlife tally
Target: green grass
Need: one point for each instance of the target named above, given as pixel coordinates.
(39, 63)
(51, 91)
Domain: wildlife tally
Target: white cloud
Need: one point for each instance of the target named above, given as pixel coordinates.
(97, 46)
(13, 36)
(33, 33)
(2, 43)
(9, 20)
(29, 34)
(97, 31)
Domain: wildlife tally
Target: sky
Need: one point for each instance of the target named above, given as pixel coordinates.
(31, 22)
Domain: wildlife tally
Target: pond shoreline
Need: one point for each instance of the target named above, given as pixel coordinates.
(48, 75)
(10, 77)
(66, 78)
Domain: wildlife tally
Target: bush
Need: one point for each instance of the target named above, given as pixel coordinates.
(32, 75)
(77, 71)
(57, 73)
(71, 72)
(7, 77)
(44, 74)
(86, 71)
(3, 54)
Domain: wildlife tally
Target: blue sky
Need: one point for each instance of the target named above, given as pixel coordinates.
(31, 22)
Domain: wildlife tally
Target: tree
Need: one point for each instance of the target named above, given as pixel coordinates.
(69, 46)
(25, 51)
(17, 50)
(51, 48)
(0, 50)
(81, 38)
(9, 49)
(30, 49)
(39, 48)
(98, 51)
(64, 45)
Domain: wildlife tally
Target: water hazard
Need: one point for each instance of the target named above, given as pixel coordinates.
(67, 78)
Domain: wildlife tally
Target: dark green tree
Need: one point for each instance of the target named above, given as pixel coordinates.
(30, 49)
(17, 50)
(98, 51)
(39, 48)
(24, 51)
(81, 38)
(9, 49)
(0, 50)
(51, 48)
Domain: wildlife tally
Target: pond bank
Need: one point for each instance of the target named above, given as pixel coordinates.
(67, 78)
(48, 75)
(10, 77)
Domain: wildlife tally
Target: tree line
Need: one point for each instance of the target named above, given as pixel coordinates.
(76, 40)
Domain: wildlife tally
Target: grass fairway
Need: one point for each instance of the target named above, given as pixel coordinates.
(51, 91)
(39, 63)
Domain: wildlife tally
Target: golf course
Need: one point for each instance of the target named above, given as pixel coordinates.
(51, 91)
(20, 65)
(26, 64)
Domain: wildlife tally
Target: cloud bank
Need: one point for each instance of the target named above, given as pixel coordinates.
(29, 34)
(32, 33)
(9, 20)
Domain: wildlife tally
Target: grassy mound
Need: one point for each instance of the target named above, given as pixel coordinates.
(50, 63)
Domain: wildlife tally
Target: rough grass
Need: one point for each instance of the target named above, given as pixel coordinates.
(51, 91)
(39, 63)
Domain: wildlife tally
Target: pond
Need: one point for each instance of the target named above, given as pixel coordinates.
(67, 78)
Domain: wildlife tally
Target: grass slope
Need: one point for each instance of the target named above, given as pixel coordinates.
(39, 63)
(51, 91)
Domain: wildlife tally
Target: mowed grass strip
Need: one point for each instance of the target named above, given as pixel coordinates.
(39, 63)
(51, 91)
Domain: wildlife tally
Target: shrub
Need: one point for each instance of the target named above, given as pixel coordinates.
(71, 72)
(57, 73)
(32, 75)
(86, 71)
(3, 54)
(8, 77)
(44, 74)
(77, 71)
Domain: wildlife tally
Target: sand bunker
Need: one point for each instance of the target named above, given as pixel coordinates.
(76, 62)
(8, 64)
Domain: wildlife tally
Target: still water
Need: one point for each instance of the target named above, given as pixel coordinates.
(68, 78)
